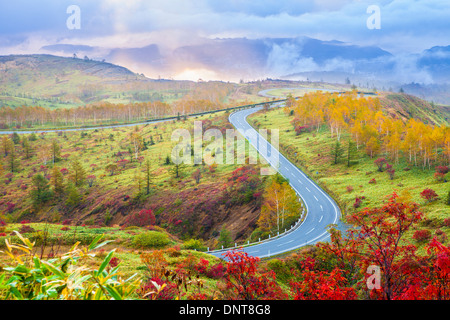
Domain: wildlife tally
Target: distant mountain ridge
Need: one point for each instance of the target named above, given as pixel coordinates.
(236, 57)
(302, 58)
(425, 74)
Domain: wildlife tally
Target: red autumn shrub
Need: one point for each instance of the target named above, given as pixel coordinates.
(299, 129)
(10, 207)
(123, 163)
(141, 219)
(243, 281)
(358, 202)
(169, 291)
(201, 266)
(422, 235)
(216, 271)
(380, 231)
(439, 176)
(380, 162)
(26, 229)
(243, 184)
(257, 195)
(442, 169)
(390, 170)
(429, 195)
(440, 173)
(114, 262)
(432, 280)
(321, 285)
(447, 222)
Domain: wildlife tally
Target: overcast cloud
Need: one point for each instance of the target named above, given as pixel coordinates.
(406, 26)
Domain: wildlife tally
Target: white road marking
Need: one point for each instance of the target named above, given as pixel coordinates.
(310, 230)
(284, 243)
(321, 208)
(320, 218)
(308, 189)
(316, 198)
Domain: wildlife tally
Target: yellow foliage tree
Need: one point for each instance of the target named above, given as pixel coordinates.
(280, 204)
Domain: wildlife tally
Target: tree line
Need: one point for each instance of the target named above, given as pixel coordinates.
(101, 112)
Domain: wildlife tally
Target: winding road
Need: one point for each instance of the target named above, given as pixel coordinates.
(321, 209)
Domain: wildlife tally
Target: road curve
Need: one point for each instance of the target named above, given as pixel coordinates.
(321, 209)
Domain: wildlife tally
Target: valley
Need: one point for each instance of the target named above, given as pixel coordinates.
(64, 185)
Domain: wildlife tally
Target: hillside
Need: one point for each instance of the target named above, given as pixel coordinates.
(407, 106)
(62, 68)
(185, 210)
(414, 154)
(52, 81)
(69, 79)
(67, 82)
(119, 182)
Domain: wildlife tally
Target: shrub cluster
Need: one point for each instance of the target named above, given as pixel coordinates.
(151, 239)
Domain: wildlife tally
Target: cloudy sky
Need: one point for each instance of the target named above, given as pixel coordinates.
(406, 25)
